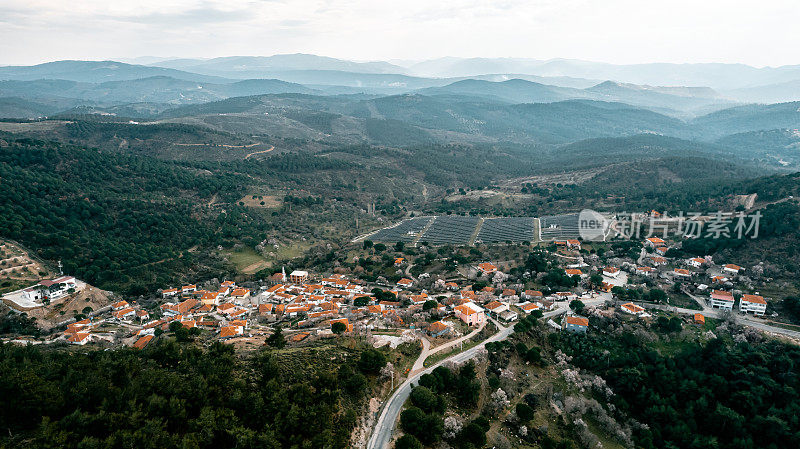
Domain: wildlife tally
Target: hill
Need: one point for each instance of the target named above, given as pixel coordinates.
(749, 118)
(96, 72)
(251, 66)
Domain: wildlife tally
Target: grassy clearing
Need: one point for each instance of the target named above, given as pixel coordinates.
(246, 260)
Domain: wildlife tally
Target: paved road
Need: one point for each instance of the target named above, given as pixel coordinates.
(419, 364)
(382, 432)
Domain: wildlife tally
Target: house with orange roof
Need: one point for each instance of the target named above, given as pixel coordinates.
(645, 271)
(532, 294)
(733, 269)
(633, 309)
(169, 292)
(682, 272)
(576, 324)
(574, 272)
(654, 242)
(487, 268)
(265, 309)
(471, 314)
(657, 260)
(210, 298)
(405, 283)
(119, 305)
(240, 293)
(696, 262)
(573, 244)
(438, 329)
(612, 272)
(186, 289)
(398, 261)
(79, 338)
(142, 342)
(699, 319)
(509, 294)
(721, 299)
(143, 315)
(230, 332)
(496, 307)
(467, 294)
(124, 314)
(605, 287)
(753, 303)
(529, 307)
(451, 286)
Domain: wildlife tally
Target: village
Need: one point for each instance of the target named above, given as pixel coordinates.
(311, 306)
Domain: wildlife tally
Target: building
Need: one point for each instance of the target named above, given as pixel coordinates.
(733, 269)
(405, 283)
(611, 272)
(298, 277)
(529, 307)
(398, 261)
(573, 244)
(532, 294)
(50, 289)
(721, 299)
(633, 309)
(574, 272)
(487, 268)
(142, 342)
(576, 324)
(753, 303)
(682, 272)
(699, 319)
(654, 242)
(79, 338)
(497, 307)
(696, 262)
(471, 314)
(508, 316)
(438, 329)
(645, 271)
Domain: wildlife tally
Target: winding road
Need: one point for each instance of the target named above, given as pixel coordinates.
(382, 432)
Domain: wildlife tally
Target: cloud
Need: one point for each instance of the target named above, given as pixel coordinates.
(621, 31)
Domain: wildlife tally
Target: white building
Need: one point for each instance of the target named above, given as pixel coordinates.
(721, 299)
(50, 289)
(753, 303)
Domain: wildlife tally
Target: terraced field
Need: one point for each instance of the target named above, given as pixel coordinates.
(559, 227)
(507, 229)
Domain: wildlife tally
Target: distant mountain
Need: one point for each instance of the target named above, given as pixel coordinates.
(96, 72)
(512, 91)
(157, 89)
(254, 66)
(771, 93)
(749, 118)
(637, 147)
(715, 75)
(14, 107)
(675, 101)
(778, 147)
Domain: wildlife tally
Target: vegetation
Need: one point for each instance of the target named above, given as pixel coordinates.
(171, 395)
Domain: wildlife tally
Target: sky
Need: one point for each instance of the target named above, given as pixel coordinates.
(759, 33)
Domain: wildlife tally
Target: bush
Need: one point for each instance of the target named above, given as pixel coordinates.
(407, 442)
(524, 412)
(371, 361)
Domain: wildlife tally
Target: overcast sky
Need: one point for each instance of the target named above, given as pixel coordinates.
(758, 33)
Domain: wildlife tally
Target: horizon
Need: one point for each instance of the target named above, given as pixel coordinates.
(619, 32)
(403, 63)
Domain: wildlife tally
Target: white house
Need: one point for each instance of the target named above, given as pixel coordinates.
(733, 269)
(654, 242)
(721, 299)
(753, 303)
(696, 262)
(50, 289)
(611, 272)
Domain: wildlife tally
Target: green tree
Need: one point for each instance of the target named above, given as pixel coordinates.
(408, 442)
(577, 305)
(338, 327)
(277, 339)
(371, 361)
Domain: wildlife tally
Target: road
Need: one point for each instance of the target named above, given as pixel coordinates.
(382, 432)
(742, 319)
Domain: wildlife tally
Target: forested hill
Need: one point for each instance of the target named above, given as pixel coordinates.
(109, 217)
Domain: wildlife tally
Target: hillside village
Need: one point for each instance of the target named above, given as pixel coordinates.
(639, 278)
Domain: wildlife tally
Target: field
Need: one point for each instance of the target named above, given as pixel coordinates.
(246, 260)
(468, 230)
(17, 268)
(262, 201)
